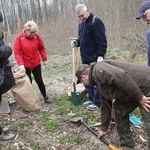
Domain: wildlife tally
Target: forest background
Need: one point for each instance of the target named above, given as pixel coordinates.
(58, 22)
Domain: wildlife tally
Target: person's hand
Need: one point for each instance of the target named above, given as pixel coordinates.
(101, 133)
(99, 59)
(21, 67)
(44, 63)
(74, 43)
(145, 102)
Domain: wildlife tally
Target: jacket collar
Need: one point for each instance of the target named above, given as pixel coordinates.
(91, 79)
(90, 17)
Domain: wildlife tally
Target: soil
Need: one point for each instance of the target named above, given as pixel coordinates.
(57, 76)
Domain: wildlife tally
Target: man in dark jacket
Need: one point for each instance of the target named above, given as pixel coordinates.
(93, 44)
(144, 13)
(5, 52)
(123, 86)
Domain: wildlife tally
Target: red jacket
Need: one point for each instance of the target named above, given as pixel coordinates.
(29, 51)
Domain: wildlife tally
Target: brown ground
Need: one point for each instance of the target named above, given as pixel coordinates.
(57, 77)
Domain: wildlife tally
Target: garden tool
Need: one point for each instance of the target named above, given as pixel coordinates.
(76, 98)
(112, 147)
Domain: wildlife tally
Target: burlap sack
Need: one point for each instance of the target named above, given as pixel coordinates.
(23, 92)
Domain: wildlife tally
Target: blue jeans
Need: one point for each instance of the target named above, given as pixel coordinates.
(93, 95)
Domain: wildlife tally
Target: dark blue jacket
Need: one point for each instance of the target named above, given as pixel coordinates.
(92, 39)
(148, 50)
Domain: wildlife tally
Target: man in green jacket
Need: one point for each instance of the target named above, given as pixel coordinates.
(123, 86)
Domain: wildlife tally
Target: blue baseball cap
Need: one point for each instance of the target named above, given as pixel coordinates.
(144, 6)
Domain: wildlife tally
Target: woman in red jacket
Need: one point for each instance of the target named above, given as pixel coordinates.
(29, 50)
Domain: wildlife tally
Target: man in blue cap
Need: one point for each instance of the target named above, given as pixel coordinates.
(144, 12)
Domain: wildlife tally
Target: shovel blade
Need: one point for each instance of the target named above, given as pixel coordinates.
(76, 98)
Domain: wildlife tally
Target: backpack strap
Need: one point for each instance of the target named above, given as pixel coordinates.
(93, 20)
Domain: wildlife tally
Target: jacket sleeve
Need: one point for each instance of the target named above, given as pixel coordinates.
(105, 114)
(41, 48)
(17, 51)
(100, 37)
(148, 41)
(117, 77)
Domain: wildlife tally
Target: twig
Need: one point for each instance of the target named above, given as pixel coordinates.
(35, 130)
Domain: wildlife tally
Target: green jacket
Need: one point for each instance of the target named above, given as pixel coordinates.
(122, 81)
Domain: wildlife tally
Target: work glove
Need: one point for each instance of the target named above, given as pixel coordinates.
(99, 59)
(44, 63)
(21, 67)
(74, 43)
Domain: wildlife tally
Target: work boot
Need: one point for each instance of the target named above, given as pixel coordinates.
(6, 136)
(47, 100)
(124, 142)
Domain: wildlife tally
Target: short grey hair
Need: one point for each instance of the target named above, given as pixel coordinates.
(80, 7)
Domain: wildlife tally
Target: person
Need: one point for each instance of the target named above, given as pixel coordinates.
(144, 12)
(8, 83)
(122, 86)
(93, 44)
(29, 49)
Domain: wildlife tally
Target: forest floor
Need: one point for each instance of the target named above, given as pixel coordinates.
(50, 127)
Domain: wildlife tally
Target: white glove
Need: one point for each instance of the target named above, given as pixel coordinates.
(74, 43)
(21, 67)
(44, 63)
(99, 59)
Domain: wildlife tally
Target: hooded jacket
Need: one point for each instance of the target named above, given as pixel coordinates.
(122, 81)
(92, 39)
(29, 51)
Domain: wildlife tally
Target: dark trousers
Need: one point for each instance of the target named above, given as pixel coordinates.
(38, 78)
(0, 126)
(122, 111)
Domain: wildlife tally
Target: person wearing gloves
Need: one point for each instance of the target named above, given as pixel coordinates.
(122, 86)
(144, 12)
(93, 44)
(8, 82)
(29, 51)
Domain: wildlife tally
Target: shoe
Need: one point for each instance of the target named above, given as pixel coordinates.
(47, 100)
(87, 102)
(6, 136)
(5, 130)
(92, 107)
(124, 142)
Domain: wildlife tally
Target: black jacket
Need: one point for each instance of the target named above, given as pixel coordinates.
(92, 39)
(5, 52)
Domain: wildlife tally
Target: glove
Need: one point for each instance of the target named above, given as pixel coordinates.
(99, 59)
(74, 43)
(44, 63)
(21, 67)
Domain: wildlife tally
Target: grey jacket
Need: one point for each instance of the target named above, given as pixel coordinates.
(118, 80)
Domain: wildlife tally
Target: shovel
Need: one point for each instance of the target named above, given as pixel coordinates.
(112, 147)
(76, 98)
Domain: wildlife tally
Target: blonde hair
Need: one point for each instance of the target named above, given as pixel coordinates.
(31, 25)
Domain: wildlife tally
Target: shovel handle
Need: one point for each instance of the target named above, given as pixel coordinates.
(74, 86)
(102, 139)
